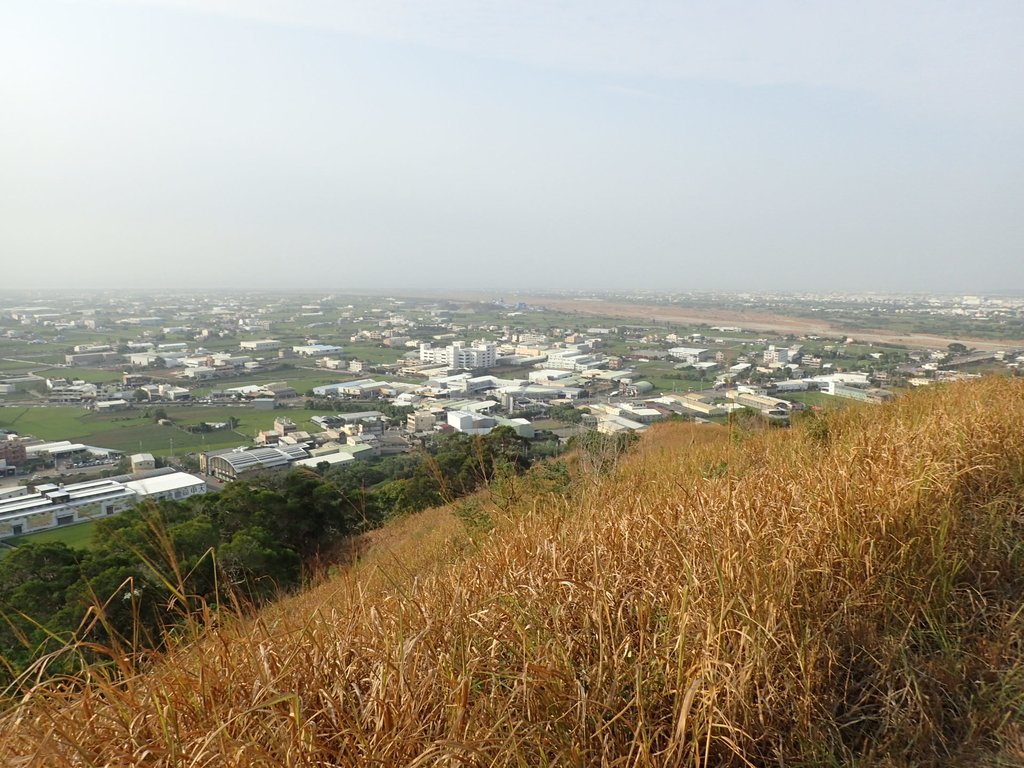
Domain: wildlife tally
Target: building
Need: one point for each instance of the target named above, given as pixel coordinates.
(358, 389)
(776, 355)
(230, 464)
(12, 450)
(260, 345)
(420, 421)
(62, 449)
(690, 355)
(471, 423)
(107, 406)
(640, 414)
(458, 355)
(92, 358)
(54, 506)
(317, 350)
(574, 357)
(142, 461)
(761, 403)
(611, 425)
(171, 487)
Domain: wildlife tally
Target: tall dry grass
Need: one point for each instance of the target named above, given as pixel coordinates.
(848, 592)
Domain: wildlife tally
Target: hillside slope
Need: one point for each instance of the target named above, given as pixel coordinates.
(845, 592)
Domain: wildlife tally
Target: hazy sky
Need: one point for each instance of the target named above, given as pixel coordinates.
(467, 144)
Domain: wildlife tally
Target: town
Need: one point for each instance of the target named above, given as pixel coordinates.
(110, 400)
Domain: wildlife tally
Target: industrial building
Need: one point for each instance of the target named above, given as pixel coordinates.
(761, 403)
(170, 487)
(12, 450)
(316, 350)
(229, 464)
(260, 345)
(52, 506)
(358, 389)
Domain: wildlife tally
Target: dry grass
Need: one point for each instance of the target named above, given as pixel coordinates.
(848, 592)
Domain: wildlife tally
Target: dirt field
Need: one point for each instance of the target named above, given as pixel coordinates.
(758, 321)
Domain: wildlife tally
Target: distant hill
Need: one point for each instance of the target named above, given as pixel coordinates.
(846, 592)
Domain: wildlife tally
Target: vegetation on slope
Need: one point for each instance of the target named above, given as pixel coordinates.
(845, 592)
(253, 540)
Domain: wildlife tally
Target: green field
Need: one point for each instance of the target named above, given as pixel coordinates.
(375, 354)
(819, 399)
(78, 535)
(132, 432)
(93, 375)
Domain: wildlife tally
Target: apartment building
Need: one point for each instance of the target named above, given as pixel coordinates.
(483, 354)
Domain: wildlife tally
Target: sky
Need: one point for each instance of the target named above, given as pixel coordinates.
(538, 144)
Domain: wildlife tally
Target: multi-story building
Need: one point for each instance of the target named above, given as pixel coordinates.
(776, 355)
(691, 355)
(483, 354)
(12, 450)
(420, 421)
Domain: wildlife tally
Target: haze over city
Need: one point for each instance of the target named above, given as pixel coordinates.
(457, 145)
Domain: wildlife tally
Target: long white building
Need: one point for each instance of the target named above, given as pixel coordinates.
(53, 506)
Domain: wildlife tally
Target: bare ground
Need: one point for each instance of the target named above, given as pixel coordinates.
(760, 321)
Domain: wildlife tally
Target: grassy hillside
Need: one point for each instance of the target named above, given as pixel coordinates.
(848, 592)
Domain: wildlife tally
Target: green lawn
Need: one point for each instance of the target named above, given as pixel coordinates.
(78, 535)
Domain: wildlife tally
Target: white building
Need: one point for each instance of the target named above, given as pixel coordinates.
(260, 345)
(316, 350)
(142, 461)
(776, 355)
(471, 423)
(53, 506)
(574, 357)
(483, 354)
(691, 355)
(170, 487)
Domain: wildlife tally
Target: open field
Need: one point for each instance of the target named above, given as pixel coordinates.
(760, 321)
(131, 431)
(93, 375)
(78, 535)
